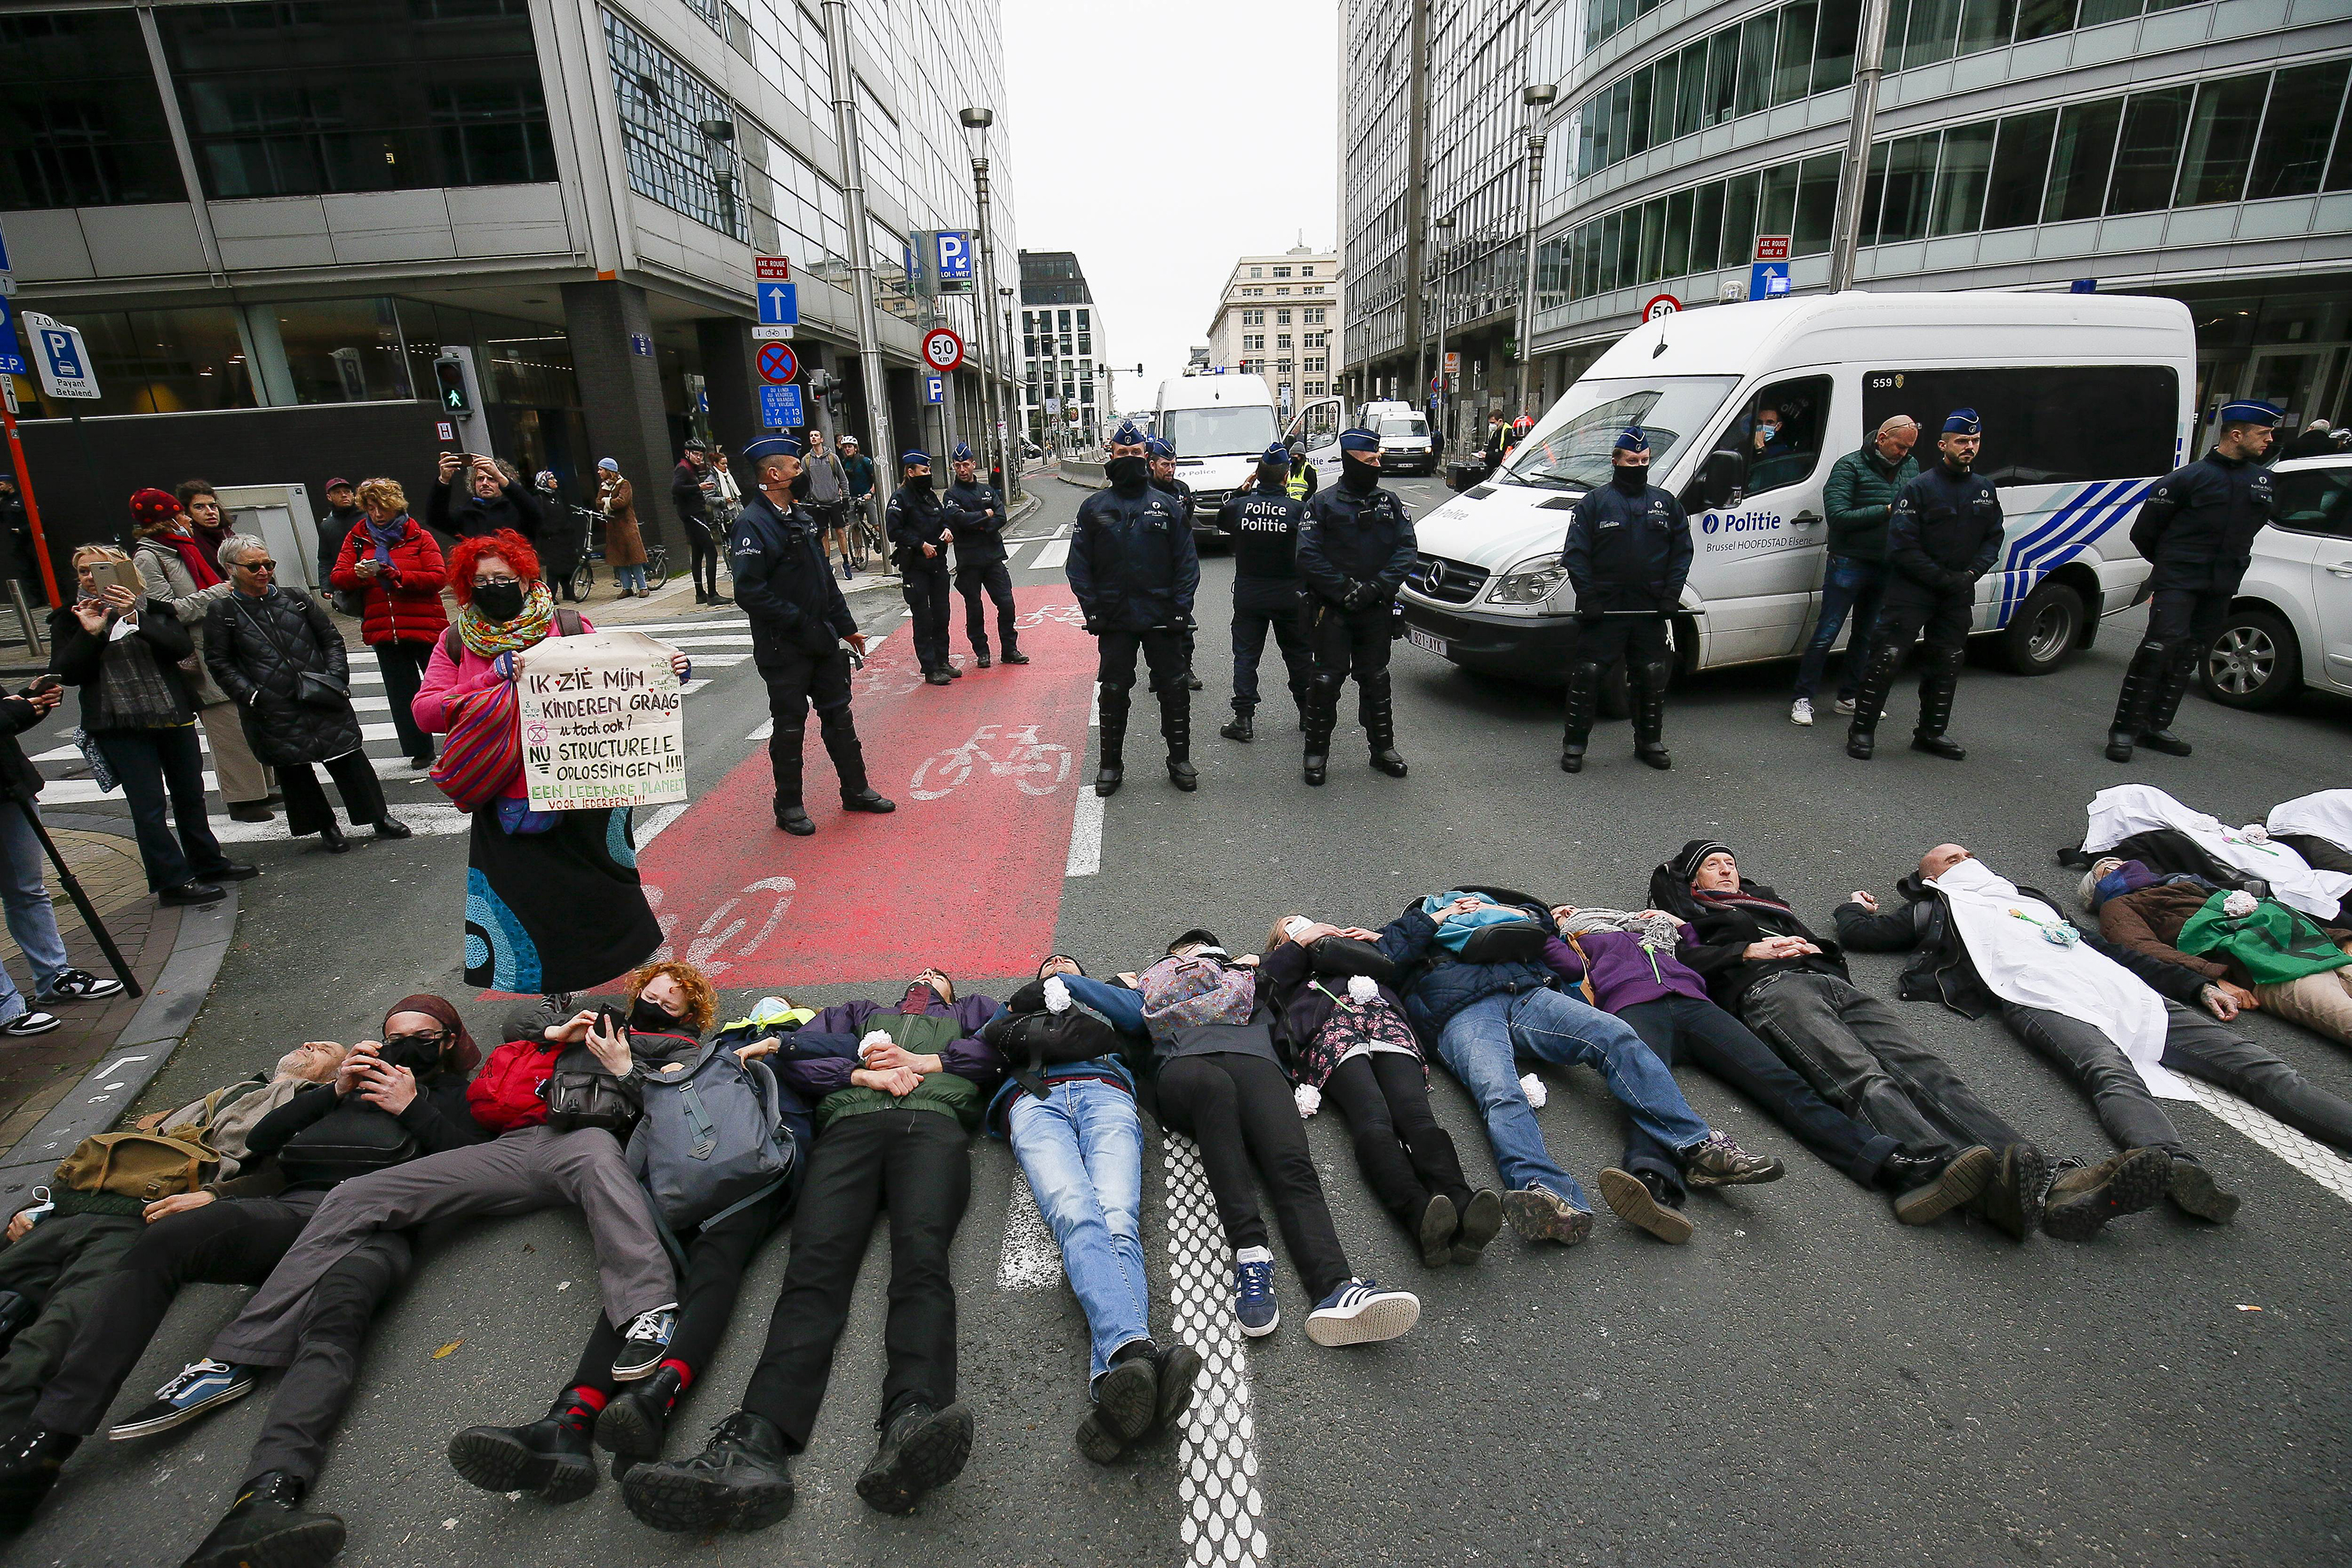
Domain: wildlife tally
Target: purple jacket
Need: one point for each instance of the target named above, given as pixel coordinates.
(1624, 973)
(969, 1057)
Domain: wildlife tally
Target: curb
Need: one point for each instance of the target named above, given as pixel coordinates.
(140, 1052)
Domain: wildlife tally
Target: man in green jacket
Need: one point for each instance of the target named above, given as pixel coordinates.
(1859, 497)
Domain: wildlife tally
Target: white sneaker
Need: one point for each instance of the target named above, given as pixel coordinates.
(1845, 706)
(1800, 712)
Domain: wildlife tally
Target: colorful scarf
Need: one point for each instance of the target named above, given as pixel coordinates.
(385, 535)
(488, 639)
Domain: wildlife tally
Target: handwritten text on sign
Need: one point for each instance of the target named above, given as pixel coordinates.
(602, 722)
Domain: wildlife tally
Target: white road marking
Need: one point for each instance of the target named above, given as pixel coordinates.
(1030, 1260)
(717, 624)
(429, 821)
(1085, 836)
(2316, 1160)
(766, 730)
(651, 828)
(1216, 1469)
(724, 640)
(1050, 556)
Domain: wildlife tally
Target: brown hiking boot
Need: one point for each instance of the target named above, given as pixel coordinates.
(2084, 1197)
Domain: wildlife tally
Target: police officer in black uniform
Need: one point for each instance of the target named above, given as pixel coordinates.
(1162, 458)
(2197, 527)
(799, 624)
(1627, 555)
(975, 515)
(1262, 519)
(1134, 571)
(1944, 532)
(1355, 546)
(918, 528)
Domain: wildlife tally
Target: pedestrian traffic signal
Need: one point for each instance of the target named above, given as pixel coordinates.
(451, 375)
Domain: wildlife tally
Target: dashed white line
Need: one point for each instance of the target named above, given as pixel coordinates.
(1051, 555)
(652, 827)
(1085, 834)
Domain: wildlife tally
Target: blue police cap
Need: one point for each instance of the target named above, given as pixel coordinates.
(1126, 434)
(909, 458)
(1155, 447)
(2250, 412)
(771, 446)
(1277, 453)
(1963, 422)
(963, 453)
(1631, 439)
(1358, 440)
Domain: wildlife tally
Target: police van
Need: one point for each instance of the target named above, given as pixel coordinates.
(1220, 425)
(2086, 400)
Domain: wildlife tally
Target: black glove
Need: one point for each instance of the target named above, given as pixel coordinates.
(1356, 596)
(1094, 625)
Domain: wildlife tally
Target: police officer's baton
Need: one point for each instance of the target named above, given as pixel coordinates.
(82, 901)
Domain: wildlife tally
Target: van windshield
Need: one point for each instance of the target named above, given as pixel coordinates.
(1394, 426)
(1218, 431)
(1569, 450)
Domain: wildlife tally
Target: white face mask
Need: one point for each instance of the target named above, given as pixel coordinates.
(1970, 876)
(1297, 927)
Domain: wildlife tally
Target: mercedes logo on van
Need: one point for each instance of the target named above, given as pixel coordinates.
(1433, 579)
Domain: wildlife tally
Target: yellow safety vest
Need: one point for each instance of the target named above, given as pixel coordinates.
(1297, 483)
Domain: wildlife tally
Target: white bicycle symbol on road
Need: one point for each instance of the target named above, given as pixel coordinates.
(1038, 767)
(1068, 614)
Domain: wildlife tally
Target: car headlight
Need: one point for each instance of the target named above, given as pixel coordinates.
(1531, 582)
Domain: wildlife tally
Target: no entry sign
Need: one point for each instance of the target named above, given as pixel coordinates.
(777, 363)
(942, 349)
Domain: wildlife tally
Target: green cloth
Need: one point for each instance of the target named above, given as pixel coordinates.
(922, 1035)
(64, 1265)
(1859, 495)
(2274, 944)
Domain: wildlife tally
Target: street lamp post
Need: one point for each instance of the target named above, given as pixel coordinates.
(861, 244)
(995, 381)
(1444, 227)
(1536, 98)
(1869, 63)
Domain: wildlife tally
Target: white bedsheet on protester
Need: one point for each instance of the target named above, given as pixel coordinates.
(2327, 814)
(2003, 930)
(2116, 814)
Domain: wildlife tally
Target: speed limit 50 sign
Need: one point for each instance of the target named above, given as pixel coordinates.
(942, 350)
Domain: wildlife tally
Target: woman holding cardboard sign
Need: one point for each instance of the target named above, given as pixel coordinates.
(552, 900)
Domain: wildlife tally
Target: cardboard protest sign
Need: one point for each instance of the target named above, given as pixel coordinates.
(604, 723)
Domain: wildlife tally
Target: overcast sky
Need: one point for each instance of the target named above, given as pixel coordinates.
(1160, 142)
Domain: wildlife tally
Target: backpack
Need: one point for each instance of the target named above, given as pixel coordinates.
(143, 1166)
(1506, 941)
(481, 756)
(354, 1139)
(1187, 992)
(711, 1140)
(1335, 954)
(582, 1092)
(1030, 1035)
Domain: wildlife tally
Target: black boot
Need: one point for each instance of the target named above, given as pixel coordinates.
(1870, 701)
(1110, 712)
(1242, 728)
(2171, 686)
(1936, 709)
(1013, 654)
(922, 1449)
(549, 1458)
(1649, 687)
(1176, 729)
(2141, 677)
(1380, 728)
(849, 756)
(267, 1527)
(636, 1420)
(741, 1480)
(1583, 690)
(979, 657)
(29, 1463)
(785, 762)
(331, 839)
(1317, 720)
(392, 826)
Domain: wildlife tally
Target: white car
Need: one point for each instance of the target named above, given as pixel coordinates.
(2292, 625)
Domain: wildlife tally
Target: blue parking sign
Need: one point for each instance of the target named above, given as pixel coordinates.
(779, 407)
(1768, 280)
(955, 256)
(12, 363)
(935, 389)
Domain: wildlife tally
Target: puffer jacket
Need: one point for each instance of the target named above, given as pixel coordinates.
(165, 577)
(1859, 497)
(1436, 984)
(258, 649)
(1622, 972)
(403, 606)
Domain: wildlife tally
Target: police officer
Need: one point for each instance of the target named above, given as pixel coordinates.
(918, 528)
(1262, 519)
(799, 622)
(1162, 458)
(2197, 527)
(975, 515)
(1355, 546)
(1134, 571)
(1944, 534)
(1627, 555)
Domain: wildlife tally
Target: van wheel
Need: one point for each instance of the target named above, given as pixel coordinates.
(2255, 661)
(2044, 631)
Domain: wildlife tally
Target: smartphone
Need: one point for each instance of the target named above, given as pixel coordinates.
(609, 1020)
(104, 574)
(44, 683)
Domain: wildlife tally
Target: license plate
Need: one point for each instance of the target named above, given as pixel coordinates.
(1423, 640)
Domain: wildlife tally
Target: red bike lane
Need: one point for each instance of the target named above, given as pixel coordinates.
(967, 874)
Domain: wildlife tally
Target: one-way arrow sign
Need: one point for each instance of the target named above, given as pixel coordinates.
(779, 305)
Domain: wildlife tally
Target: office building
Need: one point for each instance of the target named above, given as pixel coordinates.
(1278, 319)
(1062, 402)
(271, 220)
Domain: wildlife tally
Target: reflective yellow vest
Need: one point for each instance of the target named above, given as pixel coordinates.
(1297, 483)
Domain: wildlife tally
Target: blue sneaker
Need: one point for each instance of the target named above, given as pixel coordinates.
(201, 1385)
(1254, 1301)
(1359, 1312)
(645, 1344)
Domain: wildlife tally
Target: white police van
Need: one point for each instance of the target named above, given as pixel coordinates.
(1220, 425)
(2086, 400)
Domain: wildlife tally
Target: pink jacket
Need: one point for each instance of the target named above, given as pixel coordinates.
(470, 672)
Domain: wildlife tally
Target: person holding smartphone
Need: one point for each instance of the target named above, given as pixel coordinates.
(128, 653)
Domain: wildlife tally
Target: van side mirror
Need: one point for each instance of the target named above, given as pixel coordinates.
(1717, 481)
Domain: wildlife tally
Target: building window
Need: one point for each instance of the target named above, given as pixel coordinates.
(1281, 367)
(1307, 272)
(86, 125)
(1085, 343)
(1252, 342)
(1316, 389)
(1282, 272)
(1253, 318)
(663, 105)
(1312, 316)
(1257, 271)
(1282, 318)
(1281, 293)
(1085, 322)
(1312, 288)
(1316, 362)
(1282, 340)
(296, 97)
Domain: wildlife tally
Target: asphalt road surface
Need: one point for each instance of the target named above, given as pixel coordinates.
(1807, 1383)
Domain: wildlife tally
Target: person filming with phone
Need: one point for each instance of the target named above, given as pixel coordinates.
(494, 498)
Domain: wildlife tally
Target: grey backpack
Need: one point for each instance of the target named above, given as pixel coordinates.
(712, 1140)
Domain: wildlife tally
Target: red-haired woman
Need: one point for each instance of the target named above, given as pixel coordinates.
(552, 900)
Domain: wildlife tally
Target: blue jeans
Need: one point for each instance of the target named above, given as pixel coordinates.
(1484, 1041)
(1852, 586)
(1082, 1151)
(629, 576)
(31, 921)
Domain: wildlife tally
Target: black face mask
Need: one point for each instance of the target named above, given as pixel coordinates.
(1631, 477)
(800, 484)
(647, 1016)
(499, 601)
(419, 1057)
(1128, 475)
(919, 481)
(1357, 475)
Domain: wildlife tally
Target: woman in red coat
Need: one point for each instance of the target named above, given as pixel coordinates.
(390, 557)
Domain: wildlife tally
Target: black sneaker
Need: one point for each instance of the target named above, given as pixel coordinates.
(201, 1385)
(2012, 1201)
(644, 1343)
(921, 1448)
(549, 1458)
(741, 1481)
(81, 985)
(29, 1463)
(2193, 1190)
(1126, 1398)
(636, 1422)
(1179, 1368)
(2086, 1197)
(1439, 1225)
(1720, 1162)
(267, 1527)
(1481, 1221)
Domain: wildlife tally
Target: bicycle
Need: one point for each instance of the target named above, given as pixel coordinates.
(865, 543)
(584, 575)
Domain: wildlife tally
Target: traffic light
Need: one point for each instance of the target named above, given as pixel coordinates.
(451, 376)
(828, 386)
